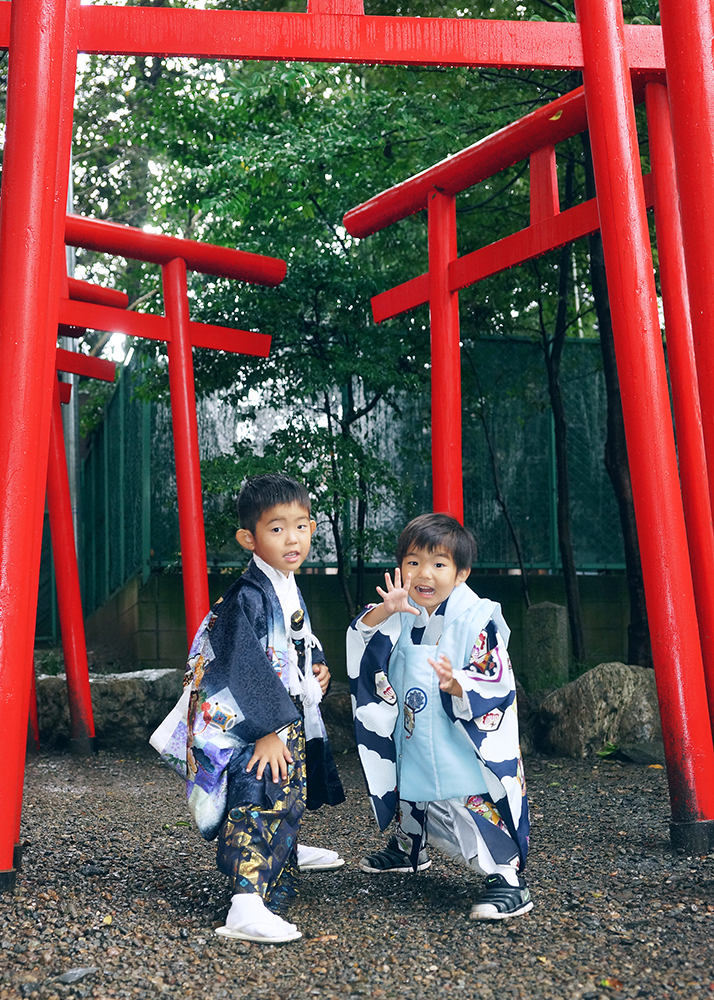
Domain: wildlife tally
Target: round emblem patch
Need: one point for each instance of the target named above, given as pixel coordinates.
(415, 699)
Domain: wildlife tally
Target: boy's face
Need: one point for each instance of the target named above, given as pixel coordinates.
(433, 576)
(281, 537)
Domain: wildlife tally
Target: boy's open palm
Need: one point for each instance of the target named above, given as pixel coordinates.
(396, 596)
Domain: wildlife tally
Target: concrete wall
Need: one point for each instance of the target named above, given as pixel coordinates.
(143, 626)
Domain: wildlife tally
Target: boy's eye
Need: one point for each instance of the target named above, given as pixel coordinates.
(276, 530)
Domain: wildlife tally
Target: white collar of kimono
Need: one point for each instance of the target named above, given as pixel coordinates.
(284, 586)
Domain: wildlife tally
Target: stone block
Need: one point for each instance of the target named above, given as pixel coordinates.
(127, 707)
(545, 652)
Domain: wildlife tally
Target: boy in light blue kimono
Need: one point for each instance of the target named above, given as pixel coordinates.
(434, 702)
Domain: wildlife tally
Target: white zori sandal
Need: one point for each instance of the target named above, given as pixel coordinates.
(315, 859)
(249, 919)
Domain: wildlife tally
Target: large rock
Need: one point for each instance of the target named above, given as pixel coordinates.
(612, 703)
(127, 707)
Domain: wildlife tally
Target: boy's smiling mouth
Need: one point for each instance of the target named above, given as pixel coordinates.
(425, 591)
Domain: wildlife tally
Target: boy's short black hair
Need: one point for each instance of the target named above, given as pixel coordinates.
(260, 493)
(438, 531)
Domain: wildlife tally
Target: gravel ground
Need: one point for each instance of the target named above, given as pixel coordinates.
(119, 898)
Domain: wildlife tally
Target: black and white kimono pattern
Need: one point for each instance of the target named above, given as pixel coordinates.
(472, 633)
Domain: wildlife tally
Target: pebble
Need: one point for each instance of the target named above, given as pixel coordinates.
(74, 975)
(118, 891)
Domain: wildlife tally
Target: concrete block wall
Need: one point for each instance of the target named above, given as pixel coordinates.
(143, 626)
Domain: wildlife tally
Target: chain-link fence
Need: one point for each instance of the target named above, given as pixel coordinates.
(129, 512)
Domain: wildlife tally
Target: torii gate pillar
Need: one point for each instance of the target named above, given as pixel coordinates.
(648, 425)
(447, 462)
(688, 36)
(40, 91)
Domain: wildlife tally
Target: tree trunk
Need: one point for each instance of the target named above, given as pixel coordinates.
(553, 353)
(638, 638)
(359, 558)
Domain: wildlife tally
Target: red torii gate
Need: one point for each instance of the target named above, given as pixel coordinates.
(683, 698)
(87, 305)
(44, 37)
(180, 334)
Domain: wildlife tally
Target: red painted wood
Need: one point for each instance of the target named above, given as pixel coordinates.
(335, 38)
(33, 734)
(84, 364)
(401, 299)
(65, 392)
(648, 425)
(34, 184)
(134, 324)
(343, 38)
(335, 7)
(524, 245)
(446, 457)
(689, 39)
(69, 597)
(188, 462)
(551, 124)
(206, 258)
(683, 373)
(86, 291)
(544, 197)
(224, 338)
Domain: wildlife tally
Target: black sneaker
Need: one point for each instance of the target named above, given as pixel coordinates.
(501, 900)
(393, 859)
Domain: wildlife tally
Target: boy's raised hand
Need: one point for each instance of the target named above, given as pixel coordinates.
(271, 750)
(395, 599)
(396, 596)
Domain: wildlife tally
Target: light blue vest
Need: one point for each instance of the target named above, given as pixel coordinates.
(435, 759)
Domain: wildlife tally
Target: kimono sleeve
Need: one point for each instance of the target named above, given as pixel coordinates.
(375, 710)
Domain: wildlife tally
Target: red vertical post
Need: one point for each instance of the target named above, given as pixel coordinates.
(446, 456)
(544, 195)
(188, 464)
(683, 373)
(688, 38)
(33, 729)
(69, 598)
(650, 439)
(36, 156)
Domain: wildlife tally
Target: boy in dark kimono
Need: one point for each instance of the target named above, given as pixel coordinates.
(434, 701)
(253, 745)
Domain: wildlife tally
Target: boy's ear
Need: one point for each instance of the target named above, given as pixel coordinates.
(313, 525)
(245, 539)
(462, 576)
